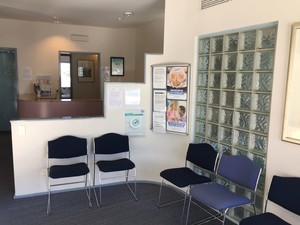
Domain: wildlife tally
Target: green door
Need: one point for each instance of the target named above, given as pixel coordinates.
(8, 87)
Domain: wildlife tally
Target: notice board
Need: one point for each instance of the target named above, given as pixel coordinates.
(170, 97)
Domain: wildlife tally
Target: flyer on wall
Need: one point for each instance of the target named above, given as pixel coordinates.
(176, 116)
(177, 82)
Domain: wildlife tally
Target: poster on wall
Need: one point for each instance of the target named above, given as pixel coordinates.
(170, 98)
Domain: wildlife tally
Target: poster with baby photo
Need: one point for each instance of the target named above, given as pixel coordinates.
(177, 81)
(177, 116)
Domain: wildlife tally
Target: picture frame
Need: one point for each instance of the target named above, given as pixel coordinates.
(86, 70)
(117, 66)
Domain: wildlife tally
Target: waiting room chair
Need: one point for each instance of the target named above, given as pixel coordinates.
(201, 155)
(238, 170)
(284, 191)
(114, 151)
(68, 158)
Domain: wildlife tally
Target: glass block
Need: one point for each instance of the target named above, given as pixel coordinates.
(241, 138)
(242, 120)
(263, 81)
(212, 131)
(227, 99)
(228, 80)
(246, 61)
(258, 143)
(244, 81)
(260, 123)
(214, 97)
(215, 80)
(247, 40)
(202, 96)
(217, 44)
(230, 61)
(199, 139)
(261, 184)
(204, 46)
(203, 63)
(237, 151)
(226, 135)
(201, 112)
(216, 63)
(200, 128)
(264, 60)
(213, 114)
(258, 160)
(267, 38)
(261, 102)
(225, 149)
(202, 79)
(243, 100)
(231, 42)
(226, 117)
(213, 144)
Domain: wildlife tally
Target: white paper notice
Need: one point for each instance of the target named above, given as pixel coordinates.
(159, 101)
(159, 122)
(159, 77)
(26, 73)
(115, 98)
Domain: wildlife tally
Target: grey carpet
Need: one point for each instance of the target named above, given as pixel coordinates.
(71, 208)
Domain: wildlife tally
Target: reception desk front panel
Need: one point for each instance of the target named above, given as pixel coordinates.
(59, 108)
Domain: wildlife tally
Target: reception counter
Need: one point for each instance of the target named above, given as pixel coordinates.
(29, 106)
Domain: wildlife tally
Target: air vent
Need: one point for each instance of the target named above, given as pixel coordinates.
(79, 37)
(210, 3)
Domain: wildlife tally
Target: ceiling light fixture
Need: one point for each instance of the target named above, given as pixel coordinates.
(128, 14)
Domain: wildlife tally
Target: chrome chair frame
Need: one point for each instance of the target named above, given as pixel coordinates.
(117, 149)
(190, 161)
(80, 142)
(227, 167)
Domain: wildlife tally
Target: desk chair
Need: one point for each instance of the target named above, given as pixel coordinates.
(284, 191)
(115, 148)
(201, 155)
(238, 170)
(68, 158)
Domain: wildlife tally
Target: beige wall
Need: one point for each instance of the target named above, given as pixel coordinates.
(38, 45)
(149, 39)
(184, 21)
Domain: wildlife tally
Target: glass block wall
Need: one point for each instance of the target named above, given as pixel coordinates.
(234, 87)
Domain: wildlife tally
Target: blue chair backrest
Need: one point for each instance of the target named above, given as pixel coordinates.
(67, 147)
(111, 143)
(202, 155)
(285, 191)
(239, 169)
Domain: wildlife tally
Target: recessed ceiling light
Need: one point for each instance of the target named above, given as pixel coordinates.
(127, 14)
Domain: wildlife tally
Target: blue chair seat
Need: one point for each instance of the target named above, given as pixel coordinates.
(73, 170)
(217, 196)
(183, 177)
(115, 165)
(264, 219)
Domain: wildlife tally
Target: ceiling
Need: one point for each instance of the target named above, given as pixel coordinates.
(100, 13)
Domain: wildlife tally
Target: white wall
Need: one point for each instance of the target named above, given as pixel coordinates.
(183, 22)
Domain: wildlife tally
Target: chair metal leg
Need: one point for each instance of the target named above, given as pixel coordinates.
(49, 198)
(132, 192)
(188, 210)
(88, 189)
(169, 203)
(159, 195)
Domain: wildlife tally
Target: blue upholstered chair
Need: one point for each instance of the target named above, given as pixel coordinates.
(238, 170)
(201, 155)
(112, 158)
(68, 158)
(285, 192)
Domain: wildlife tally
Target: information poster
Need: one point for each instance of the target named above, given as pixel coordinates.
(135, 122)
(170, 98)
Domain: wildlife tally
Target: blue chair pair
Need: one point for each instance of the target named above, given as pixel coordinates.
(72, 151)
(233, 170)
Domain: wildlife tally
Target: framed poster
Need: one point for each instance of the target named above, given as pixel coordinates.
(117, 66)
(86, 70)
(170, 96)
